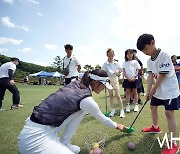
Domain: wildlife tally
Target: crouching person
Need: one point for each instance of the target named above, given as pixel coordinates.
(64, 110)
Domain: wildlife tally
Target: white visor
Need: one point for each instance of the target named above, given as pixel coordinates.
(103, 80)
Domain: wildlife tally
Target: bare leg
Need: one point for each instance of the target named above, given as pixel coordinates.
(128, 95)
(111, 98)
(171, 121)
(134, 91)
(119, 98)
(154, 115)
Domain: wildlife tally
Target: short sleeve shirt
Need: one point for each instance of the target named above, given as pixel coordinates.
(162, 64)
(4, 69)
(130, 68)
(110, 68)
(72, 66)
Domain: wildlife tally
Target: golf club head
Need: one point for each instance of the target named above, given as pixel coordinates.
(129, 130)
(107, 114)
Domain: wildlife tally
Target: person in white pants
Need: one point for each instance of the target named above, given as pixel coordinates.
(64, 109)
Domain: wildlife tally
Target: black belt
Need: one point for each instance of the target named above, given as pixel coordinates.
(34, 119)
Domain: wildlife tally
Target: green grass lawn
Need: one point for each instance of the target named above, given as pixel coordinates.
(12, 121)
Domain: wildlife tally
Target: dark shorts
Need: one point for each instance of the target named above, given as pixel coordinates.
(169, 104)
(130, 85)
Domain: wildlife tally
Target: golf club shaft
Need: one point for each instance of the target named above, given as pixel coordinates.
(139, 113)
(106, 98)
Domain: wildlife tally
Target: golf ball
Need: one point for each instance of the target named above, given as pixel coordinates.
(95, 145)
(131, 146)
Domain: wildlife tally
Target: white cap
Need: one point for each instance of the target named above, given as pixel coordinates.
(103, 80)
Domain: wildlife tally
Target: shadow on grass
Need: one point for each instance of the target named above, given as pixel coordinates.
(87, 118)
(116, 138)
(146, 145)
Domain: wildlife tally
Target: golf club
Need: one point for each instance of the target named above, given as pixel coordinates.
(130, 129)
(106, 113)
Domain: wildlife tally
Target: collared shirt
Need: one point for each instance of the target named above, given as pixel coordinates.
(72, 66)
(162, 64)
(4, 69)
(110, 68)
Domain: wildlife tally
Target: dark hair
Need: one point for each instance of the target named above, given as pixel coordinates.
(86, 80)
(143, 40)
(16, 59)
(126, 52)
(109, 50)
(173, 56)
(68, 46)
(134, 50)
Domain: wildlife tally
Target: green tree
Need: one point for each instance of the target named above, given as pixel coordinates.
(58, 63)
(97, 66)
(88, 67)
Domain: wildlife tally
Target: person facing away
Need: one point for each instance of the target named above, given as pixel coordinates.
(113, 70)
(7, 71)
(74, 65)
(176, 67)
(165, 89)
(130, 73)
(64, 110)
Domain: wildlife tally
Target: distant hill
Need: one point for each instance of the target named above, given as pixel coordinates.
(26, 68)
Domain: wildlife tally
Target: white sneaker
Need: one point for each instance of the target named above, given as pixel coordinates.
(136, 108)
(73, 148)
(122, 114)
(128, 108)
(16, 106)
(1, 109)
(112, 113)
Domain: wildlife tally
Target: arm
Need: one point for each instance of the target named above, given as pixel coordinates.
(89, 105)
(157, 84)
(78, 68)
(149, 83)
(136, 74)
(124, 74)
(10, 73)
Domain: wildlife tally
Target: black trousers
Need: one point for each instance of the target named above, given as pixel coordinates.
(4, 84)
(68, 80)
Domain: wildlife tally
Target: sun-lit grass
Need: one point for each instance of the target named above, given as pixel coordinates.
(12, 121)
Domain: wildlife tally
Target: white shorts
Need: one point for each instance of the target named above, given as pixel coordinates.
(114, 82)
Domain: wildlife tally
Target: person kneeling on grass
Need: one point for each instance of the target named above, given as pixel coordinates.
(64, 109)
(165, 90)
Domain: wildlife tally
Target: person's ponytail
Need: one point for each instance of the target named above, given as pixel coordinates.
(85, 81)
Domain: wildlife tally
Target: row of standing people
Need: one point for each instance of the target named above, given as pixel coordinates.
(132, 72)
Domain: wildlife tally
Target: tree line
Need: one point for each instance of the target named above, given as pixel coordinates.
(28, 68)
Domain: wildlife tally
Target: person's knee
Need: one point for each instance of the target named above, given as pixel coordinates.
(169, 114)
(153, 108)
(110, 95)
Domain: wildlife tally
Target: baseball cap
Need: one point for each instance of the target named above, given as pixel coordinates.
(103, 80)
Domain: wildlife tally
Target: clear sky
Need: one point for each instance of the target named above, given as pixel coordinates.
(36, 31)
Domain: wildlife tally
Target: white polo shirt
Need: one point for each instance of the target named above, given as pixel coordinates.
(4, 69)
(110, 68)
(72, 66)
(162, 64)
(130, 67)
